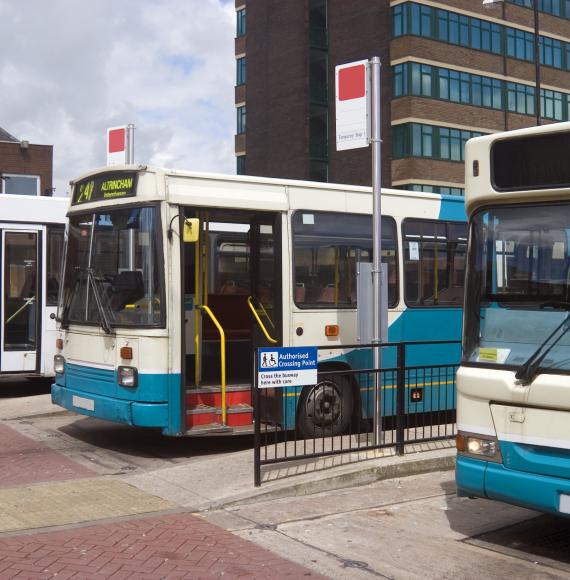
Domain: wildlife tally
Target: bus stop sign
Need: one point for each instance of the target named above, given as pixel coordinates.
(286, 367)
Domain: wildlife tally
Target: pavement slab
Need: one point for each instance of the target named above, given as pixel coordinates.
(179, 545)
(23, 460)
(72, 502)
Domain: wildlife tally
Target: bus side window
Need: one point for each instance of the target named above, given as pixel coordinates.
(55, 237)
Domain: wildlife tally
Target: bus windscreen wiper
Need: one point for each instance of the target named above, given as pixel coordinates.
(105, 324)
(528, 371)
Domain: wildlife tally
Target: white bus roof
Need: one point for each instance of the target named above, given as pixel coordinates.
(479, 189)
(249, 192)
(30, 209)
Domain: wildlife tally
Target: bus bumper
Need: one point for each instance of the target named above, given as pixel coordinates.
(476, 478)
(111, 409)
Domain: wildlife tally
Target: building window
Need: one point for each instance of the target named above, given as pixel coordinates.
(520, 98)
(421, 140)
(240, 71)
(14, 184)
(439, 189)
(459, 87)
(240, 165)
(550, 52)
(241, 119)
(240, 24)
(446, 26)
(554, 7)
(520, 44)
(551, 105)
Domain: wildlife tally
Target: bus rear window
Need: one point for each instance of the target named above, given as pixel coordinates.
(533, 162)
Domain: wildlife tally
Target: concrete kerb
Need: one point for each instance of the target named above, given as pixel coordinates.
(362, 473)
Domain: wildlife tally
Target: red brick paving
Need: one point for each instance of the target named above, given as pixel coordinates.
(170, 546)
(25, 461)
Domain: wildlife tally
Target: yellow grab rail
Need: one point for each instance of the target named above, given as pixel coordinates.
(222, 357)
(261, 325)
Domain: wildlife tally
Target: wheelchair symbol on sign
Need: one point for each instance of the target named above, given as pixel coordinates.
(269, 360)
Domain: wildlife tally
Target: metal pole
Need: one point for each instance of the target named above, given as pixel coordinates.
(130, 161)
(536, 63)
(130, 144)
(375, 67)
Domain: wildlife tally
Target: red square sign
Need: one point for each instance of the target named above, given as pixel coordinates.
(117, 140)
(352, 82)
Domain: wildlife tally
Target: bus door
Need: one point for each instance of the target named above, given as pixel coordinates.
(232, 284)
(20, 301)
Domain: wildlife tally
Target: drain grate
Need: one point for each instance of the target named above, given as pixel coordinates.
(538, 538)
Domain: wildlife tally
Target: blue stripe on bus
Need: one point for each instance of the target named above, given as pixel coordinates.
(111, 409)
(421, 324)
(155, 402)
(478, 478)
(151, 388)
(452, 208)
(549, 461)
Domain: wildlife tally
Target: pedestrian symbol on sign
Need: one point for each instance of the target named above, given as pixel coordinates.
(269, 360)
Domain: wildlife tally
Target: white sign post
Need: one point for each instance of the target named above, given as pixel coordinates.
(352, 105)
(358, 125)
(121, 145)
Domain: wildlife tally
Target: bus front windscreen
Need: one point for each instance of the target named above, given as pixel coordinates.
(517, 305)
(113, 269)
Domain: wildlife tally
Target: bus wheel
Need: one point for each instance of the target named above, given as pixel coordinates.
(325, 408)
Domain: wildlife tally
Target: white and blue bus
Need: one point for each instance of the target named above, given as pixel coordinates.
(157, 331)
(513, 386)
(31, 250)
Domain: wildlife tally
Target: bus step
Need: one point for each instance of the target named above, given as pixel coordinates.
(212, 429)
(203, 415)
(212, 396)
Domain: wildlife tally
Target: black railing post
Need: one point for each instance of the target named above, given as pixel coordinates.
(256, 425)
(400, 398)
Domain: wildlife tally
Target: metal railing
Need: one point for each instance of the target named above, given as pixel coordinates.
(335, 416)
(216, 323)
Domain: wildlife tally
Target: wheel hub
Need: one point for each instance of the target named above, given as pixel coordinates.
(324, 404)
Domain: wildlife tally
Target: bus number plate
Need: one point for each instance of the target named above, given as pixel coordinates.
(564, 507)
(83, 403)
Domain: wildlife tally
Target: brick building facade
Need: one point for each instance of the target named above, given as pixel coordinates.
(25, 168)
(451, 70)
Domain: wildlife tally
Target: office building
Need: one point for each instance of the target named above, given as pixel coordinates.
(451, 70)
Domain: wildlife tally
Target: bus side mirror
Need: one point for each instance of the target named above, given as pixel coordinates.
(191, 229)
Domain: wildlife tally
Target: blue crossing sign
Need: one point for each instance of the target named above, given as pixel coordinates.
(287, 367)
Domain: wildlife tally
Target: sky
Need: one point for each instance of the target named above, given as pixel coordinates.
(69, 69)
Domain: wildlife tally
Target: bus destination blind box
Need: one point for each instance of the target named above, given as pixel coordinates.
(530, 162)
(106, 186)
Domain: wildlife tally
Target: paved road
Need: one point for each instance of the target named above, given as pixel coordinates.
(415, 527)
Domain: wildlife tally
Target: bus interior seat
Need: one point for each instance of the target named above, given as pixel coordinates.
(233, 314)
(127, 287)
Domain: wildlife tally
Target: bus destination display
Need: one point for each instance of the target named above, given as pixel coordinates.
(113, 185)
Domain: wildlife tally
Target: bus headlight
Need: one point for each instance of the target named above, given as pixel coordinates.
(483, 447)
(59, 364)
(128, 376)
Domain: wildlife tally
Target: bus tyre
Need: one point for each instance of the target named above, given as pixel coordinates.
(325, 408)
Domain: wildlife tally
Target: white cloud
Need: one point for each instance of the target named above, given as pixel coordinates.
(71, 68)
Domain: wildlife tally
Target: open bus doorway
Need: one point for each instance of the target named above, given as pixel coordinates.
(232, 297)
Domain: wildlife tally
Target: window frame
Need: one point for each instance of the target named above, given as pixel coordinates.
(4, 175)
(446, 224)
(325, 306)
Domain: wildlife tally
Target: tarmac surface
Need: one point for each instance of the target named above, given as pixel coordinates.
(72, 508)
